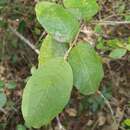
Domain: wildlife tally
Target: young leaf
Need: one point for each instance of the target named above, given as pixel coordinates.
(126, 122)
(115, 43)
(51, 49)
(87, 68)
(118, 53)
(47, 92)
(57, 21)
(85, 9)
(3, 99)
(21, 127)
(1, 84)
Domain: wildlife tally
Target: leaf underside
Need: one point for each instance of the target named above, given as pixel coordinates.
(47, 92)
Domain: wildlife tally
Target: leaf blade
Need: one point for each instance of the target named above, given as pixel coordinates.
(47, 92)
(51, 49)
(3, 99)
(87, 68)
(57, 21)
(82, 9)
(118, 53)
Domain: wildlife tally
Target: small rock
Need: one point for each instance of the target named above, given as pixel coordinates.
(71, 112)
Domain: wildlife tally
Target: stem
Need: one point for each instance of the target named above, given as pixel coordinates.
(60, 126)
(110, 22)
(107, 102)
(73, 43)
(3, 110)
(40, 38)
(24, 39)
(109, 106)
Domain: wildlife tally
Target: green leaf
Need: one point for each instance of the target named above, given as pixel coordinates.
(47, 92)
(22, 26)
(57, 21)
(126, 122)
(3, 99)
(3, 24)
(1, 84)
(101, 44)
(87, 68)
(2, 126)
(21, 127)
(98, 29)
(127, 17)
(118, 53)
(3, 2)
(115, 43)
(85, 9)
(96, 102)
(11, 85)
(51, 49)
(128, 47)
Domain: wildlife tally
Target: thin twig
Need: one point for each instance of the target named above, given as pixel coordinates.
(110, 22)
(107, 102)
(40, 38)
(73, 43)
(24, 39)
(60, 126)
(94, 125)
(3, 110)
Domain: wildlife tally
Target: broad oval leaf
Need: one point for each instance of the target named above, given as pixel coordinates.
(51, 49)
(47, 92)
(85, 9)
(118, 53)
(3, 99)
(87, 68)
(57, 21)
